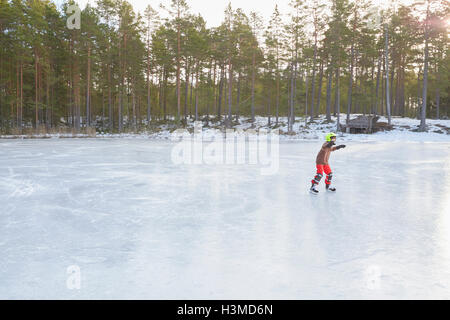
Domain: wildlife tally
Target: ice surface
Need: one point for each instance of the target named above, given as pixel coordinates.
(140, 227)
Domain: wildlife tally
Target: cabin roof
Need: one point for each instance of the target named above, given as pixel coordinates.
(362, 122)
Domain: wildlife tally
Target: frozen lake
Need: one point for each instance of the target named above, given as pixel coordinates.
(139, 226)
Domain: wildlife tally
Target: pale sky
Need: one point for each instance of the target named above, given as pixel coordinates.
(212, 10)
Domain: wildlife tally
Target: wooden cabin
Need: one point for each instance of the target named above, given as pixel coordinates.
(361, 124)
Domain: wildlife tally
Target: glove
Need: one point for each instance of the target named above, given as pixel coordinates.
(340, 146)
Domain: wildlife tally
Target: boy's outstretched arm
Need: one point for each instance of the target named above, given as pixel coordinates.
(340, 146)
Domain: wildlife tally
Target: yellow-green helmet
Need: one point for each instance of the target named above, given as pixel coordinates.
(329, 136)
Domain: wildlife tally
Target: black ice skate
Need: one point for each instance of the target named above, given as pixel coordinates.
(313, 189)
(330, 189)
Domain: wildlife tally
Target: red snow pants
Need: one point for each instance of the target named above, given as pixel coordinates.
(321, 168)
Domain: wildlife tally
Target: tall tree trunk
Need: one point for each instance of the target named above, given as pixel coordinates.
(350, 85)
(357, 89)
(372, 89)
(238, 97)
(253, 85)
(330, 78)
(1, 80)
(397, 91)
(288, 96)
(165, 94)
(123, 59)
(21, 97)
(209, 90)
(70, 119)
(292, 93)
(121, 105)
(306, 96)
(269, 101)
(402, 89)
(76, 94)
(160, 92)
(139, 114)
(383, 87)
(278, 93)
(438, 92)
(103, 108)
(186, 90)
(219, 110)
(336, 88)
(377, 90)
(88, 88)
(386, 54)
(319, 91)
(36, 86)
(230, 92)
(391, 90)
(191, 94)
(313, 79)
(423, 113)
(149, 100)
(338, 100)
(40, 73)
(47, 98)
(17, 94)
(133, 93)
(419, 90)
(196, 91)
(178, 65)
(121, 84)
(214, 87)
(110, 110)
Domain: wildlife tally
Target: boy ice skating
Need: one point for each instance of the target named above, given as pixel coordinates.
(322, 163)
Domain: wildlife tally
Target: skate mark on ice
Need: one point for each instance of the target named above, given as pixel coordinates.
(363, 257)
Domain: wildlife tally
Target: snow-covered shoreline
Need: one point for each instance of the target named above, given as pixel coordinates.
(403, 129)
